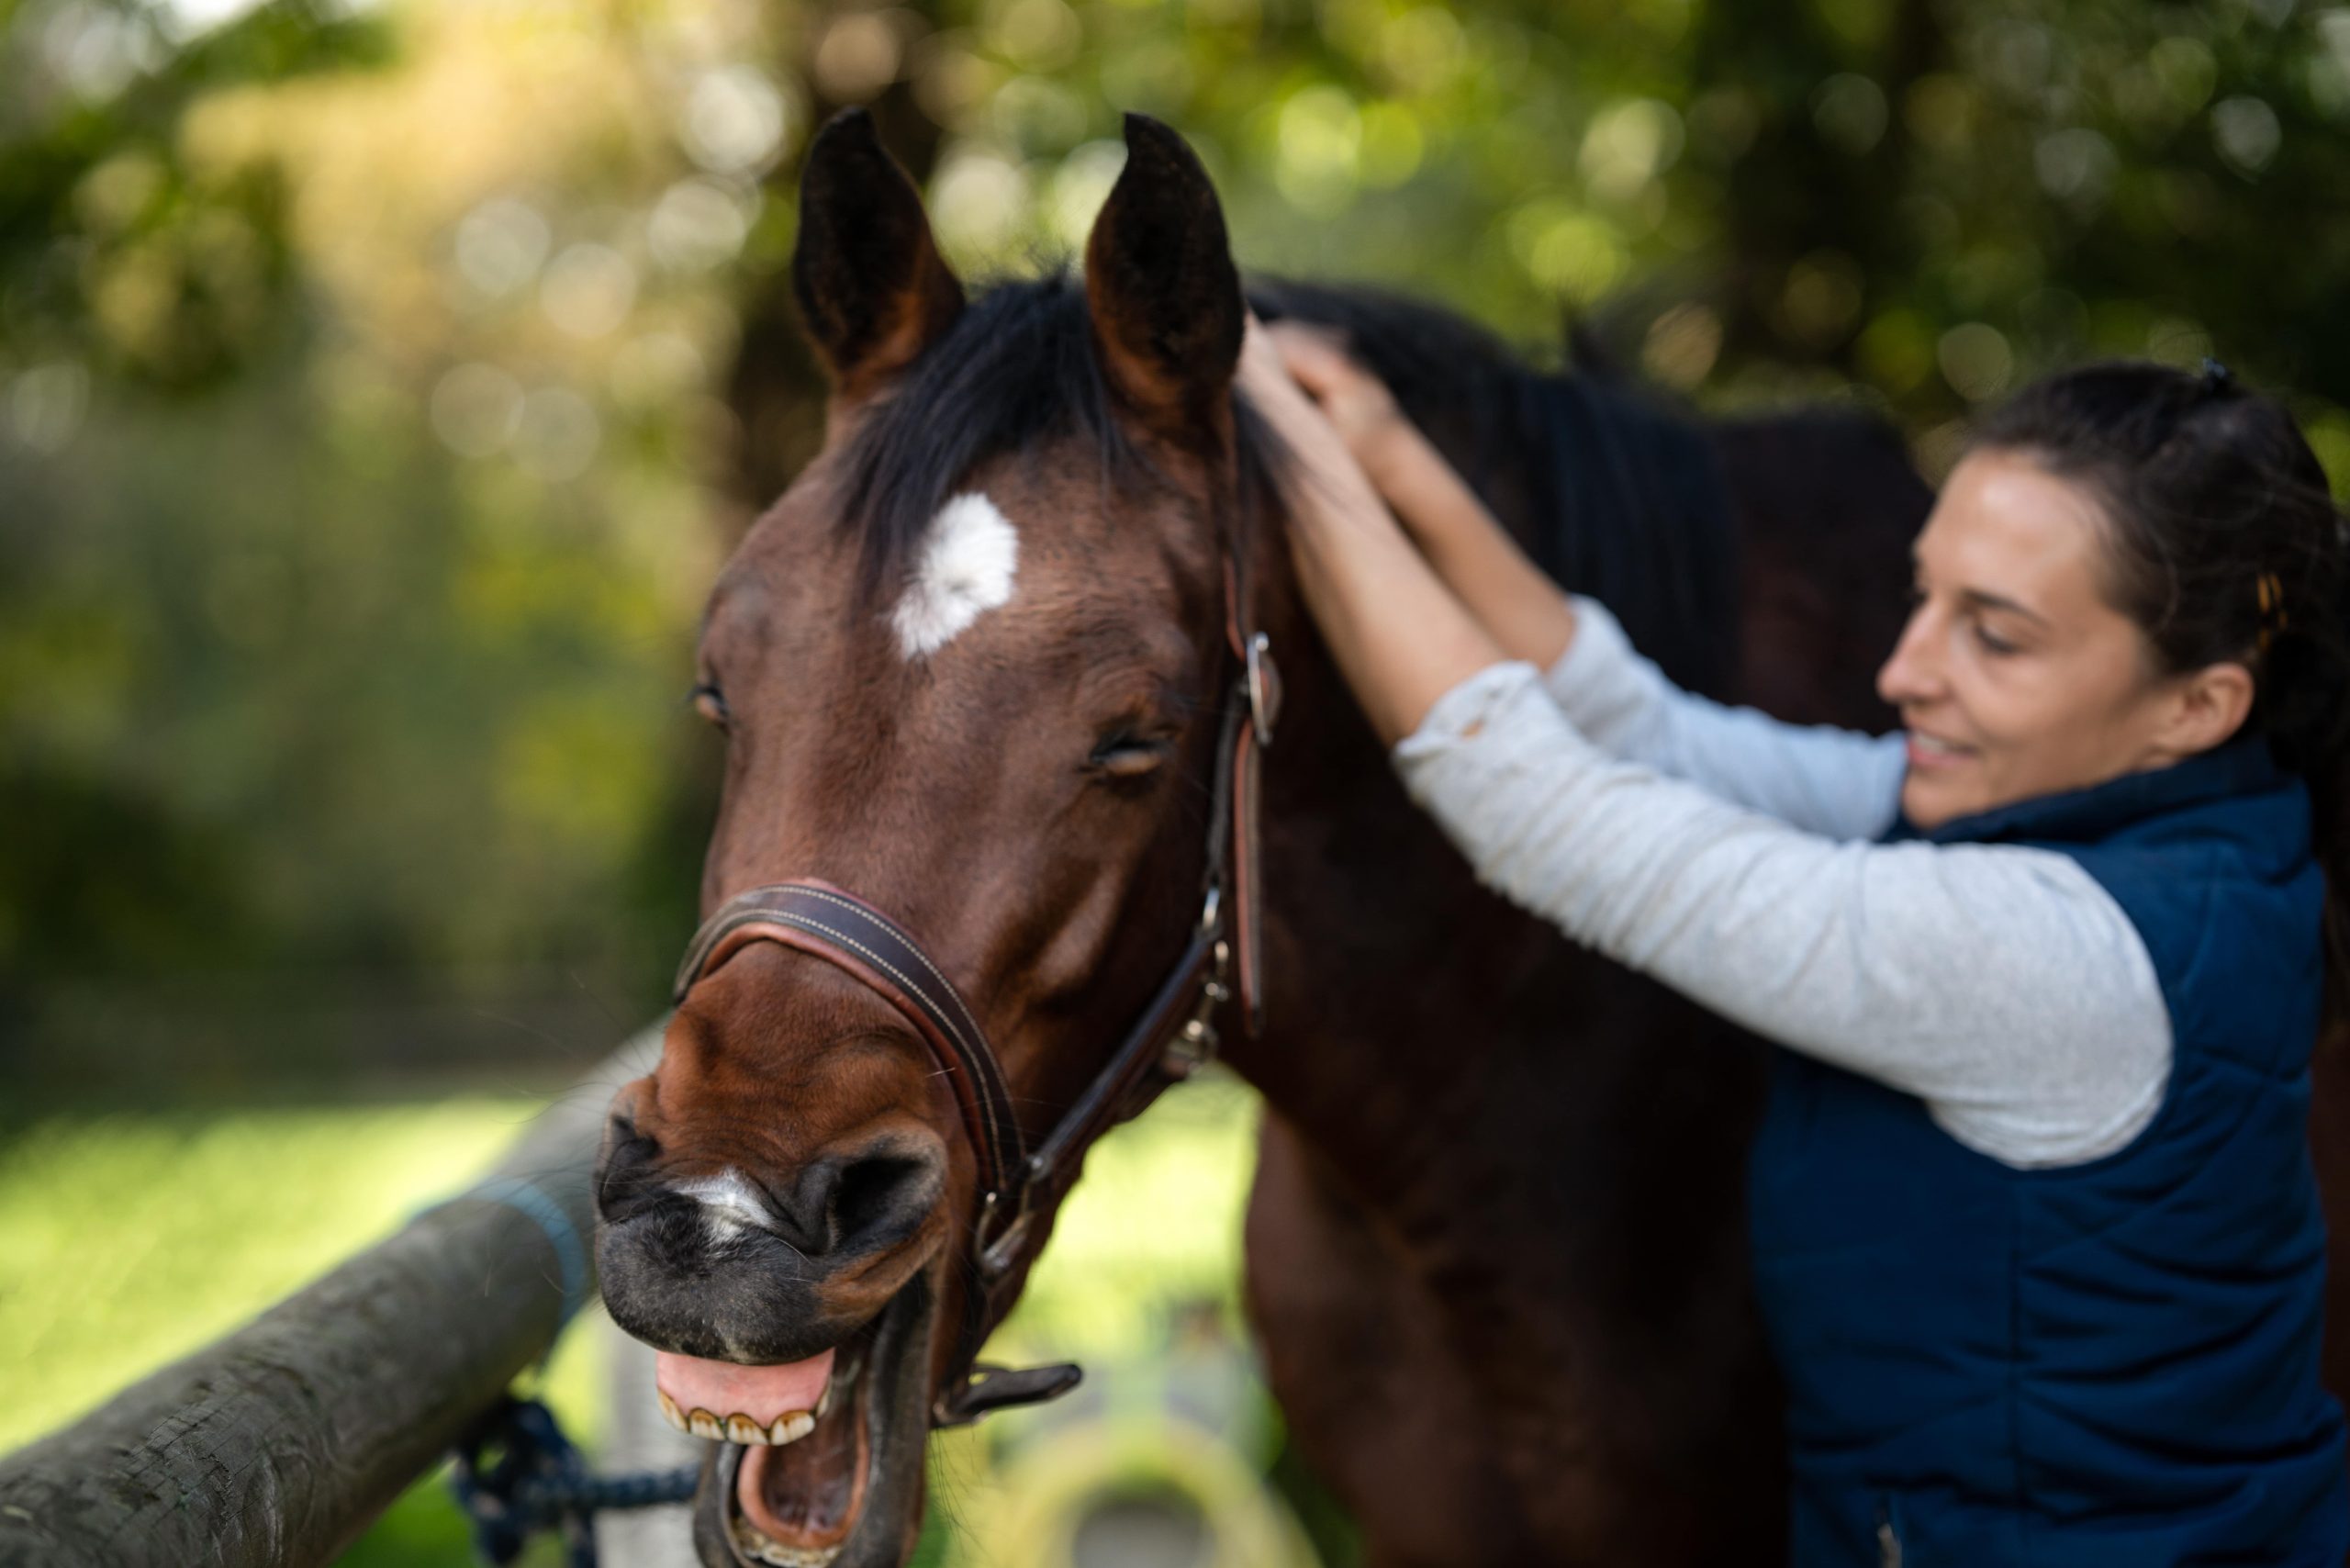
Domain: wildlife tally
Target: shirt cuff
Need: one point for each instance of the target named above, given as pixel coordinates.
(1596, 682)
(1462, 714)
(1492, 738)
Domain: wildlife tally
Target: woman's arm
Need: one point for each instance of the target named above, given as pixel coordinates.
(1398, 635)
(1828, 781)
(2001, 984)
(1519, 607)
(1839, 783)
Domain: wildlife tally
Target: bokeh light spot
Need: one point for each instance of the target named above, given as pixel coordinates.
(1038, 35)
(2077, 164)
(1318, 142)
(1821, 300)
(1682, 346)
(698, 224)
(738, 120)
(501, 244)
(46, 405)
(858, 55)
(979, 200)
(557, 433)
(1975, 359)
(475, 409)
(2246, 133)
(656, 368)
(1080, 187)
(1627, 145)
(1567, 250)
(2185, 72)
(587, 290)
(1897, 349)
(1849, 112)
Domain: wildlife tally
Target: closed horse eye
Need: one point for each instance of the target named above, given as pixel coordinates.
(1124, 754)
(710, 703)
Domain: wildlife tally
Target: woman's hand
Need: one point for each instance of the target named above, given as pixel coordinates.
(1519, 609)
(1357, 403)
(1334, 489)
(1398, 635)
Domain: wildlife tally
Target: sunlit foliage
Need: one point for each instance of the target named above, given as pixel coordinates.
(382, 380)
(377, 386)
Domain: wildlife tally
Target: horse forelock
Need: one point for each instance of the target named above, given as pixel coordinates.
(1020, 367)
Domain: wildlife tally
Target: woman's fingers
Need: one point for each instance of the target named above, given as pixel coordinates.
(1357, 401)
(1334, 482)
(1313, 356)
(1276, 393)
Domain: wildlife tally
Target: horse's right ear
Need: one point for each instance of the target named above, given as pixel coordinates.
(1168, 312)
(871, 285)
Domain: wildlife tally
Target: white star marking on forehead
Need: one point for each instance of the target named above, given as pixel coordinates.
(966, 567)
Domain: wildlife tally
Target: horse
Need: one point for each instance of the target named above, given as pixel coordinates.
(1039, 786)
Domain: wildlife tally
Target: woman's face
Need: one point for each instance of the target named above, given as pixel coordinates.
(2015, 675)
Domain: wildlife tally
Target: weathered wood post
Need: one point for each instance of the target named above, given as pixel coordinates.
(280, 1443)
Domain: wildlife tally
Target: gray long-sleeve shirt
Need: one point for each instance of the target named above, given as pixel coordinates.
(1732, 857)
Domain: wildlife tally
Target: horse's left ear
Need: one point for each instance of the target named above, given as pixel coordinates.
(1168, 313)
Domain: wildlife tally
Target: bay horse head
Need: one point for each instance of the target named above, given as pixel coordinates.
(984, 674)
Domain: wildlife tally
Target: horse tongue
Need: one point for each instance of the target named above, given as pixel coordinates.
(725, 1389)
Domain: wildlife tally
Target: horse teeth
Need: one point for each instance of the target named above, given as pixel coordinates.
(756, 1543)
(737, 1428)
(824, 1400)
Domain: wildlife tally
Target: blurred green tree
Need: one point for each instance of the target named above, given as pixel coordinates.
(379, 386)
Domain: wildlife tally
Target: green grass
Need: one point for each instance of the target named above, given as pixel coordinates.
(127, 1241)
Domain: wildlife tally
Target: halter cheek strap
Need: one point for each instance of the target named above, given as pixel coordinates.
(1175, 1034)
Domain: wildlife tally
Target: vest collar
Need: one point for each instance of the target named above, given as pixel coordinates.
(2244, 766)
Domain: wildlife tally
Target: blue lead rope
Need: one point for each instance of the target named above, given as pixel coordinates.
(517, 1474)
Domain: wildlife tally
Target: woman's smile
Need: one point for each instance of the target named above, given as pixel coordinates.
(1928, 751)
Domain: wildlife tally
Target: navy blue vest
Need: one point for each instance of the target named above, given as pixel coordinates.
(2107, 1365)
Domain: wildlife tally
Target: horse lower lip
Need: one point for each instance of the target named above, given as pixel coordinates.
(800, 1506)
(806, 1497)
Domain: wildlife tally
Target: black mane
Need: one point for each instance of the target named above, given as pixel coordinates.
(1611, 494)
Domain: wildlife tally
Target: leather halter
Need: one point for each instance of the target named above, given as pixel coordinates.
(1175, 1034)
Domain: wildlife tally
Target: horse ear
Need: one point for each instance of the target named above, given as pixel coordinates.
(1168, 313)
(871, 285)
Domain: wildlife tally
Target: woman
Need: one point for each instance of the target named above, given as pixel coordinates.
(2036, 1232)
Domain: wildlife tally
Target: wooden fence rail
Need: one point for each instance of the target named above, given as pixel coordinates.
(280, 1443)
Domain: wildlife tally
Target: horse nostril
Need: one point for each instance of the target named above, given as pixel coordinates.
(882, 1199)
(865, 1203)
(624, 1173)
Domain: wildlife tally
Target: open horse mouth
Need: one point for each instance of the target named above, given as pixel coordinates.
(819, 1460)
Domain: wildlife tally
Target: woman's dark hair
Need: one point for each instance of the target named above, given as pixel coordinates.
(2224, 544)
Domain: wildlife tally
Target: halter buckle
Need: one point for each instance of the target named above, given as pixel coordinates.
(1196, 1043)
(1264, 679)
(994, 1255)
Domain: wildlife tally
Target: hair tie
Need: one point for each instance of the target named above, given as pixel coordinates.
(2273, 618)
(2217, 377)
